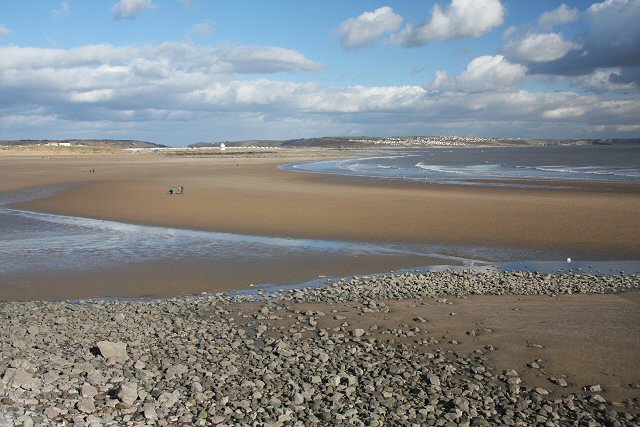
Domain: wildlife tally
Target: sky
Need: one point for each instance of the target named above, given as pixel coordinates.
(177, 72)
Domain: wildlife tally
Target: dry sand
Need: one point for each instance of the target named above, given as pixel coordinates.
(252, 196)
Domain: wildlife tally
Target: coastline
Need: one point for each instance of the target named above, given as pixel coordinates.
(538, 345)
(252, 196)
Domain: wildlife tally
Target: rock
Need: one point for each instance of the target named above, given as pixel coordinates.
(168, 400)
(149, 411)
(128, 393)
(594, 388)
(19, 378)
(541, 391)
(113, 351)
(95, 378)
(176, 370)
(358, 332)
(87, 405)
(51, 412)
(88, 391)
(559, 381)
(334, 381)
(434, 380)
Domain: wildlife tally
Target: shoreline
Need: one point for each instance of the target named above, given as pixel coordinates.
(251, 196)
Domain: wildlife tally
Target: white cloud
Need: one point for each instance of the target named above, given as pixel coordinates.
(628, 128)
(360, 31)
(201, 29)
(164, 92)
(559, 16)
(4, 31)
(601, 81)
(564, 112)
(62, 11)
(611, 40)
(539, 47)
(484, 73)
(462, 18)
(130, 9)
(177, 56)
(616, 21)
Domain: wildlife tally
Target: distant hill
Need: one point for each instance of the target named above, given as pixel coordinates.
(96, 143)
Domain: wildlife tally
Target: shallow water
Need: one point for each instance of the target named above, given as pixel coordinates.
(37, 249)
(592, 163)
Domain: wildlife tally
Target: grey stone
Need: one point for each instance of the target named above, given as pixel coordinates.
(87, 405)
(128, 393)
(113, 351)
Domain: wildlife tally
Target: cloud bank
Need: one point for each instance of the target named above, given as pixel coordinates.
(143, 91)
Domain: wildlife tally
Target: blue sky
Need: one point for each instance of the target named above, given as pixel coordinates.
(178, 71)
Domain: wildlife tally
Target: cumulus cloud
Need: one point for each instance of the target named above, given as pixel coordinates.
(559, 16)
(462, 18)
(608, 80)
(155, 92)
(201, 29)
(484, 73)
(364, 29)
(4, 31)
(539, 47)
(611, 39)
(62, 11)
(130, 9)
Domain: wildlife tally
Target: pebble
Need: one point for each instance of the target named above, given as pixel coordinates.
(191, 361)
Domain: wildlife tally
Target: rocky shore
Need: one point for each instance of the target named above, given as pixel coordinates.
(219, 359)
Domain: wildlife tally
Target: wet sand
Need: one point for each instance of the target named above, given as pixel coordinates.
(252, 196)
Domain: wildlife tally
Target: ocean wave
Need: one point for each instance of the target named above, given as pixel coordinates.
(590, 170)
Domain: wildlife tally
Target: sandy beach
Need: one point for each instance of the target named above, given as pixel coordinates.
(490, 349)
(252, 196)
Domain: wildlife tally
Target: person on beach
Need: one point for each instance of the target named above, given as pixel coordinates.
(180, 189)
(172, 190)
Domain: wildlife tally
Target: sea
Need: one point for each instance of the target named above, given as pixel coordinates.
(475, 165)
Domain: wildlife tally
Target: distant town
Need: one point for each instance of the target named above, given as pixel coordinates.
(431, 140)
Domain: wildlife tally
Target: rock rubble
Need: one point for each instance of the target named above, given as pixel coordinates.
(188, 361)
